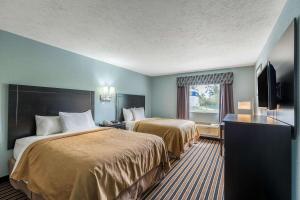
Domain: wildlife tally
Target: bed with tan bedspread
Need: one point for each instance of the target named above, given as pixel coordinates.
(98, 164)
(176, 133)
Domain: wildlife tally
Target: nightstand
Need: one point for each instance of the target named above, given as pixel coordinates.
(119, 125)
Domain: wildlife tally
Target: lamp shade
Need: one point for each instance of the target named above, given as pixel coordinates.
(244, 105)
(105, 90)
(112, 90)
(107, 93)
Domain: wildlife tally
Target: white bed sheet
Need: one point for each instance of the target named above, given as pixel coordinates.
(22, 143)
(130, 125)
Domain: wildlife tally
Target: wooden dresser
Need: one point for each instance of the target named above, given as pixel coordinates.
(257, 158)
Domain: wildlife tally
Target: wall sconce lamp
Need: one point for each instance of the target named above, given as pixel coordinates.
(107, 93)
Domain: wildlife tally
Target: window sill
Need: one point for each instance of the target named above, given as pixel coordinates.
(204, 112)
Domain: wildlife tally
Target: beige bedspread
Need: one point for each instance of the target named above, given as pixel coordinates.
(175, 132)
(95, 164)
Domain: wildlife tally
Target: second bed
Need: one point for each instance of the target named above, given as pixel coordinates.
(177, 134)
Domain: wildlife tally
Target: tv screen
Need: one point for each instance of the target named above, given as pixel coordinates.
(267, 88)
(262, 83)
(272, 98)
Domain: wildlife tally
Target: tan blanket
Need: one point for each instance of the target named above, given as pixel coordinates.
(96, 164)
(176, 133)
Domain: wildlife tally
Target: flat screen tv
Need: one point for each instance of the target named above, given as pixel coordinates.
(267, 88)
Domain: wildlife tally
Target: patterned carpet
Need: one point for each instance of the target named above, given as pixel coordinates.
(8, 192)
(197, 175)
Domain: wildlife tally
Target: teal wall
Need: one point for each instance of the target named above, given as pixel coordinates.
(290, 11)
(164, 90)
(24, 61)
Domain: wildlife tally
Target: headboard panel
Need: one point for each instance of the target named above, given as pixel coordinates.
(24, 102)
(128, 101)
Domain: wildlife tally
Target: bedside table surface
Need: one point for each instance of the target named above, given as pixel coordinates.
(119, 125)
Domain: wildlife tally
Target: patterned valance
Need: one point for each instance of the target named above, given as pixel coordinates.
(218, 78)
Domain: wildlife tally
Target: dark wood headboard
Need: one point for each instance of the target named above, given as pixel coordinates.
(24, 102)
(128, 101)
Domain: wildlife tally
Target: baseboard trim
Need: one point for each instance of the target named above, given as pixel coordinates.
(4, 179)
(210, 138)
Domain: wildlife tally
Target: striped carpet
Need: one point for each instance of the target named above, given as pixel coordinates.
(8, 192)
(197, 175)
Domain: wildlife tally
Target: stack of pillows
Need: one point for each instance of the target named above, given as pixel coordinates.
(65, 122)
(133, 114)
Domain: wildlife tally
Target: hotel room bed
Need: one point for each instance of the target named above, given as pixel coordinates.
(177, 134)
(84, 165)
(76, 162)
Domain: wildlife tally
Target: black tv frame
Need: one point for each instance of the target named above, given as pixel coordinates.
(266, 82)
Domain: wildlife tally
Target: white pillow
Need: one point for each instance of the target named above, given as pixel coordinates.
(76, 121)
(138, 113)
(127, 113)
(46, 125)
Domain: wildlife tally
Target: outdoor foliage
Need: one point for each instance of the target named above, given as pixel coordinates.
(204, 98)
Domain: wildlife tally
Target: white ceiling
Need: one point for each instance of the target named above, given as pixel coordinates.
(153, 37)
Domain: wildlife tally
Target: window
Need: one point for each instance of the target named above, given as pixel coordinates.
(204, 98)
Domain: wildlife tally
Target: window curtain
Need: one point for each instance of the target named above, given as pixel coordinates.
(226, 92)
(183, 94)
(226, 100)
(205, 79)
